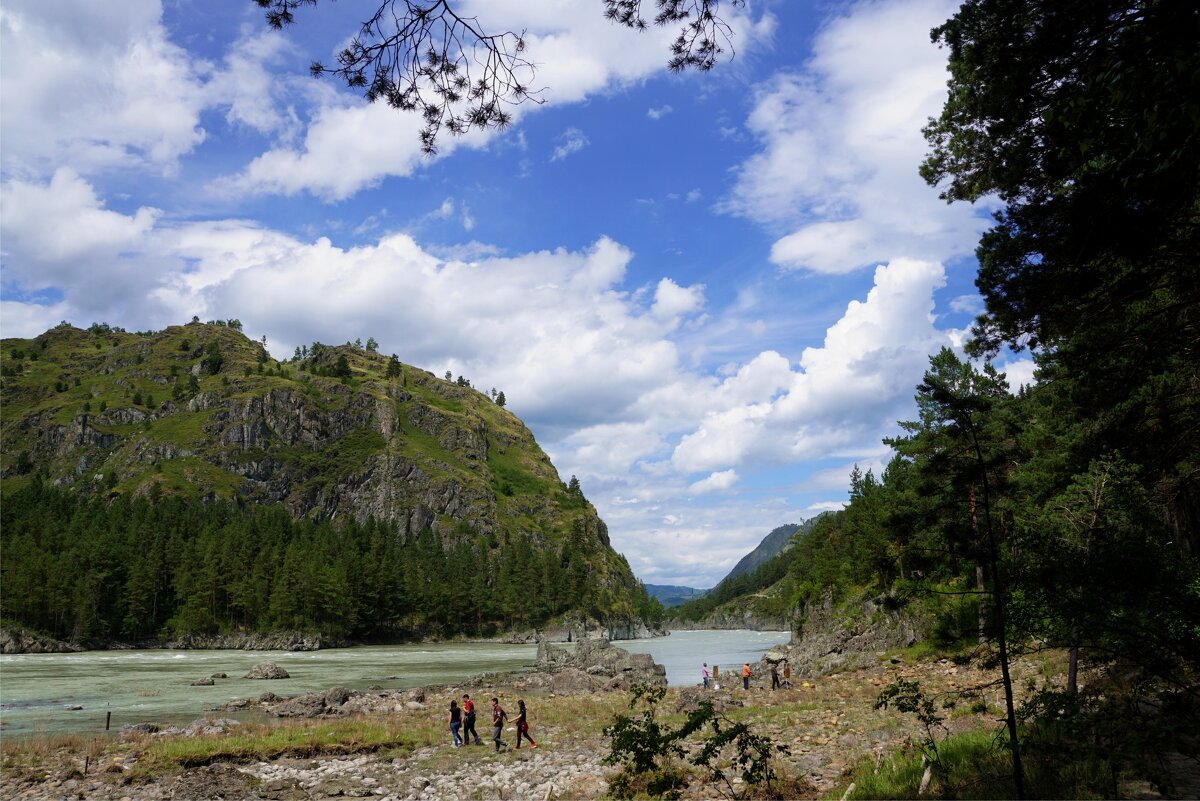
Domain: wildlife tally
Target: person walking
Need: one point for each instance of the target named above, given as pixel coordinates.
(469, 732)
(704, 674)
(787, 674)
(774, 676)
(455, 723)
(746, 676)
(498, 718)
(523, 725)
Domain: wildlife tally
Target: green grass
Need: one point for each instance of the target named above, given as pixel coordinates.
(974, 767)
(185, 429)
(253, 741)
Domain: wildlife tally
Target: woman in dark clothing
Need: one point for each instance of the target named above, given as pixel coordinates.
(523, 725)
(455, 722)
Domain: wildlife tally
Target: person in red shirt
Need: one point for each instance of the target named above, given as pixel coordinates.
(746, 676)
(468, 707)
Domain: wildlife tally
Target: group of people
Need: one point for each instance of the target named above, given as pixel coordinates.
(706, 676)
(463, 719)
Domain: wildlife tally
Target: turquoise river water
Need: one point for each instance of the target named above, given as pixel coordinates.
(40, 692)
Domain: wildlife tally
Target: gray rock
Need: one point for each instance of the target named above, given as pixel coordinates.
(267, 670)
(203, 683)
(336, 696)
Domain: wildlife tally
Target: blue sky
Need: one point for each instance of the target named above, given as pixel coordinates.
(709, 296)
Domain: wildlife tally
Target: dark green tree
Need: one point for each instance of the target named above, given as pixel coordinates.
(1084, 120)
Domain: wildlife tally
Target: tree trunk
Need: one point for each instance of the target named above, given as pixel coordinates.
(981, 591)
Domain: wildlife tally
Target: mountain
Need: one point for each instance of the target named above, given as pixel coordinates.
(671, 595)
(759, 597)
(772, 544)
(107, 422)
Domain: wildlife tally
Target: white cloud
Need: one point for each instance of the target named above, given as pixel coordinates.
(659, 112)
(94, 86)
(1019, 372)
(577, 54)
(844, 393)
(715, 482)
(573, 140)
(841, 145)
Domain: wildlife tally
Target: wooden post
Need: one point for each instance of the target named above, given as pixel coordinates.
(107, 720)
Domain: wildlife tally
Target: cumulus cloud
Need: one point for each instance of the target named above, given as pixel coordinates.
(721, 480)
(840, 143)
(100, 86)
(843, 393)
(659, 112)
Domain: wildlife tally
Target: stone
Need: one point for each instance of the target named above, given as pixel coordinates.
(267, 670)
(336, 696)
(203, 683)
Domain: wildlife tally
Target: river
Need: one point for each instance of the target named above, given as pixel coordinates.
(38, 692)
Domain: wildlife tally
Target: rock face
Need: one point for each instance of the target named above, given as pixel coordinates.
(846, 636)
(19, 641)
(595, 664)
(267, 670)
(251, 641)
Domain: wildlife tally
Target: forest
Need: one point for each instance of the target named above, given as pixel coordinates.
(142, 570)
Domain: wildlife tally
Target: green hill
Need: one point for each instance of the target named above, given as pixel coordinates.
(107, 427)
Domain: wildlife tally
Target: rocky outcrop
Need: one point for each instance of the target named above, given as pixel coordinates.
(267, 670)
(252, 641)
(834, 637)
(594, 664)
(730, 620)
(19, 641)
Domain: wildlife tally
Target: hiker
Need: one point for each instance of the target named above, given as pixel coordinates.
(787, 674)
(523, 725)
(774, 676)
(468, 707)
(704, 674)
(746, 676)
(498, 718)
(455, 722)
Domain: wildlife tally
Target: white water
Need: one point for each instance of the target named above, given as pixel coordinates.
(153, 685)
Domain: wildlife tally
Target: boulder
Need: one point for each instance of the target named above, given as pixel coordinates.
(571, 680)
(267, 670)
(203, 683)
(336, 696)
(303, 706)
(600, 663)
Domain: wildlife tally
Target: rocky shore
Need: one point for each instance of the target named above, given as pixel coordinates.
(827, 723)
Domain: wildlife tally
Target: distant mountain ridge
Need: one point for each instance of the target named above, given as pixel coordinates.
(673, 595)
(771, 545)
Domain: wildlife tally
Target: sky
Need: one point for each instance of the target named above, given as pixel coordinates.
(709, 296)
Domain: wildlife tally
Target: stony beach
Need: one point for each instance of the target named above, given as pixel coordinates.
(827, 724)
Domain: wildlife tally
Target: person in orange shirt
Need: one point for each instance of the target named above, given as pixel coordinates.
(746, 676)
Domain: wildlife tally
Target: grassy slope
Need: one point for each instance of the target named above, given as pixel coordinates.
(138, 394)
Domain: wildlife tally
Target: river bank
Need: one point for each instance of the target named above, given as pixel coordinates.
(18, 640)
(828, 724)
